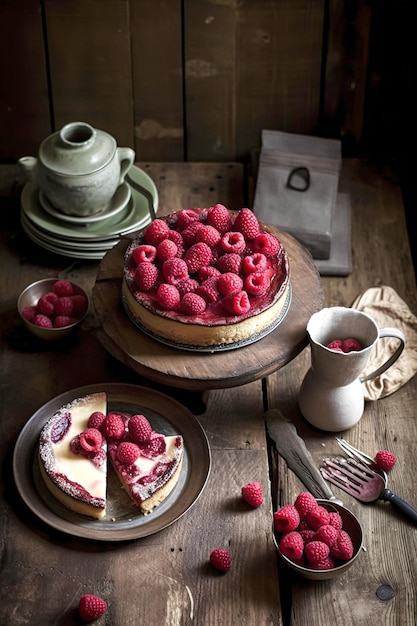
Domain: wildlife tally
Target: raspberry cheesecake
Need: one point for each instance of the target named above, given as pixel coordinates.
(80, 437)
(206, 278)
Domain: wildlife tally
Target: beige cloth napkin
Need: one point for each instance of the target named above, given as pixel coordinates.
(386, 307)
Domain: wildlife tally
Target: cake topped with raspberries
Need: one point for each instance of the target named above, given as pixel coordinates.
(77, 441)
(206, 278)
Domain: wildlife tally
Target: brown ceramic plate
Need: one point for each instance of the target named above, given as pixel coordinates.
(123, 521)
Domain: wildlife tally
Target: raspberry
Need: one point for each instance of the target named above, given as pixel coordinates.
(46, 303)
(256, 284)
(208, 271)
(187, 285)
(185, 217)
(233, 241)
(335, 345)
(64, 306)
(114, 426)
(220, 559)
(304, 503)
(146, 276)
(80, 304)
(319, 516)
(176, 237)
(29, 313)
(75, 445)
(266, 243)
(174, 270)
(96, 420)
(189, 233)
(342, 548)
(91, 440)
(208, 234)
(140, 429)
(237, 303)
(197, 256)
(144, 252)
(91, 607)
(154, 447)
(167, 249)
(286, 519)
(156, 232)
(254, 263)
(292, 545)
(42, 321)
(335, 520)
(350, 345)
(327, 534)
(193, 304)
(247, 223)
(208, 290)
(307, 535)
(127, 452)
(385, 460)
(316, 551)
(219, 217)
(252, 494)
(168, 296)
(230, 262)
(327, 563)
(63, 288)
(229, 283)
(61, 321)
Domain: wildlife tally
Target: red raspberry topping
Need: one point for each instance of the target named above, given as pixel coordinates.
(43, 321)
(208, 234)
(154, 447)
(29, 313)
(208, 271)
(193, 304)
(237, 303)
(189, 233)
(176, 237)
(230, 262)
(114, 427)
(140, 429)
(292, 545)
(256, 284)
(350, 344)
(385, 460)
(91, 607)
(286, 519)
(46, 303)
(254, 263)
(229, 283)
(156, 232)
(316, 551)
(342, 548)
(327, 534)
(174, 270)
(304, 503)
(317, 517)
(208, 290)
(220, 559)
(197, 256)
(128, 452)
(185, 217)
(252, 494)
(266, 243)
(219, 217)
(91, 440)
(146, 276)
(167, 249)
(96, 420)
(233, 242)
(63, 288)
(247, 223)
(61, 321)
(168, 296)
(188, 285)
(144, 252)
(64, 306)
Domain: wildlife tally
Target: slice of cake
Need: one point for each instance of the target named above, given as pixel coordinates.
(206, 278)
(74, 475)
(76, 442)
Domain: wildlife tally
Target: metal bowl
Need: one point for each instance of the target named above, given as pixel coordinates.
(30, 297)
(350, 524)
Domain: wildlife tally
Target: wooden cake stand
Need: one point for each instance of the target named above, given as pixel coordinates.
(199, 371)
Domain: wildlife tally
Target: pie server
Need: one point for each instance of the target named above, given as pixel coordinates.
(293, 449)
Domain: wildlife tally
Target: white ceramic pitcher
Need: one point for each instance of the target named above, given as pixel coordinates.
(331, 395)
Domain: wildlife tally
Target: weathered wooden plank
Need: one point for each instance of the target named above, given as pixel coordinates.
(157, 77)
(24, 106)
(90, 65)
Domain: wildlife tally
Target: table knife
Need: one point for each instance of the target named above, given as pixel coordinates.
(293, 449)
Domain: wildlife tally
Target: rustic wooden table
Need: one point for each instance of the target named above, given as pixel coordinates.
(166, 576)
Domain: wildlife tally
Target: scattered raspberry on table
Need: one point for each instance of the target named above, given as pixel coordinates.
(91, 607)
(220, 559)
(252, 493)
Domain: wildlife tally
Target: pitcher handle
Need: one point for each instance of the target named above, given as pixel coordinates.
(126, 158)
(387, 332)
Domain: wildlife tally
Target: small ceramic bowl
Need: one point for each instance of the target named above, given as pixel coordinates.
(30, 297)
(351, 525)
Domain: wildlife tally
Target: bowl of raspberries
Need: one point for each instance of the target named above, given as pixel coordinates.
(52, 308)
(318, 539)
